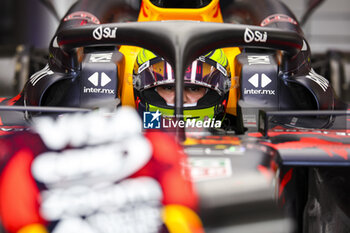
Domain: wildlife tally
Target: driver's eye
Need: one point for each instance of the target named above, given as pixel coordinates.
(193, 89)
(168, 87)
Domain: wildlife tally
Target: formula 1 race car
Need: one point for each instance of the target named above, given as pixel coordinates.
(264, 147)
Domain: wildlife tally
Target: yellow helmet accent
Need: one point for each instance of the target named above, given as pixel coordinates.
(179, 218)
(145, 55)
(219, 56)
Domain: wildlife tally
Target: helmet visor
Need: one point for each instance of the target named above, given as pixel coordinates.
(214, 76)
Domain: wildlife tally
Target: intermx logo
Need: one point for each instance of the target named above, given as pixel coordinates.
(264, 81)
(151, 120)
(257, 82)
(96, 81)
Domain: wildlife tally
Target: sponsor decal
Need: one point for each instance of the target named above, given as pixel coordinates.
(259, 92)
(83, 200)
(89, 189)
(205, 168)
(99, 80)
(153, 120)
(98, 90)
(106, 162)
(258, 60)
(148, 220)
(220, 148)
(100, 57)
(276, 18)
(104, 32)
(321, 81)
(143, 66)
(89, 129)
(257, 36)
(104, 79)
(254, 80)
(221, 69)
(35, 78)
(105, 207)
(264, 81)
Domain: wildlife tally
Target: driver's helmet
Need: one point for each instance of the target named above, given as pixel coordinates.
(209, 72)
